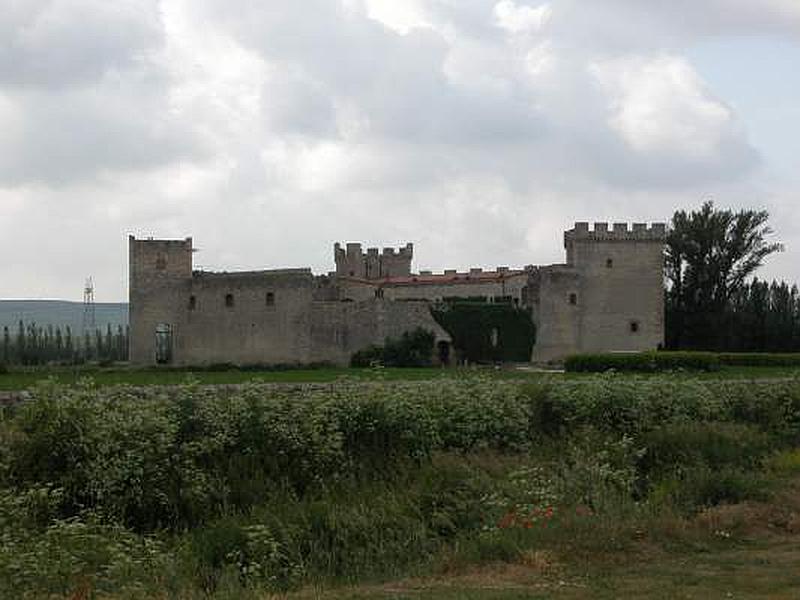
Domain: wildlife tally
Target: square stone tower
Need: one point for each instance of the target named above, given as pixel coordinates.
(620, 295)
(160, 287)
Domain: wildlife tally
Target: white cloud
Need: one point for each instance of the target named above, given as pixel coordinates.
(478, 128)
(401, 17)
(519, 19)
(660, 105)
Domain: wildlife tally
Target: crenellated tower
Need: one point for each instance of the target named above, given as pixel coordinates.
(351, 261)
(620, 295)
(160, 274)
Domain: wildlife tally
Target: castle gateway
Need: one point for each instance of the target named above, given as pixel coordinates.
(608, 296)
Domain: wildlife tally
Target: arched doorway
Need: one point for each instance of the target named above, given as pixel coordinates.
(163, 344)
(443, 348)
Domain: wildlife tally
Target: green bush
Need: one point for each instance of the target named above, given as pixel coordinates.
(701, 487)
(370, 356)
(680, 446)
(488, 332)
(642, 362)
(759, 359)
(412, 349)
(189, 491)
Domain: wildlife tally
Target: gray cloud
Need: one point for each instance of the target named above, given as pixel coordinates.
(55, 43)
(479, 130)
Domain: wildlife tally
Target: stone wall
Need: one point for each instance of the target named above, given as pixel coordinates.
(263, 317)
(427, 288)
(557, 318)
(607, 297)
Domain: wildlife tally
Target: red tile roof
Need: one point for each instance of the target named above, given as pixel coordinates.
(445, 279)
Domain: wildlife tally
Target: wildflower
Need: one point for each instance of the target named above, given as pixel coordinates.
(508, 520)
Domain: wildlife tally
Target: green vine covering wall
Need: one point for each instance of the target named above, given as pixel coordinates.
(484, 332)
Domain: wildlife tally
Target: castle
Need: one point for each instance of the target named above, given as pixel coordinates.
(608, 296)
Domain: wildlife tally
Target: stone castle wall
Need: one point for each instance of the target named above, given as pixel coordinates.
(607, 297)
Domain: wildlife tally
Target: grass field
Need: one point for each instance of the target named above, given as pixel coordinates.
(24, 378)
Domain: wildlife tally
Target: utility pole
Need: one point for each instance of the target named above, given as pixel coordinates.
(89, 322)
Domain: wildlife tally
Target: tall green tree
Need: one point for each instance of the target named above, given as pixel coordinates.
(710, 255)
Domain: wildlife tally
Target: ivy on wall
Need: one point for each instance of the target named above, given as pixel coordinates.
(487, 332)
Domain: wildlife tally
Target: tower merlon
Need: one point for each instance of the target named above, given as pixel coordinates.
(656, 232)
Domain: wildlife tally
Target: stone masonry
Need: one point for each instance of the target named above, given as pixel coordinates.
(608, 296)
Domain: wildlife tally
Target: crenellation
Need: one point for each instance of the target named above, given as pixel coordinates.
(620, 231)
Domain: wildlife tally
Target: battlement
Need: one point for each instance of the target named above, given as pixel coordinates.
(151, 259)
(656, 232)
(161, 243)
(356, 249)
(351, 261)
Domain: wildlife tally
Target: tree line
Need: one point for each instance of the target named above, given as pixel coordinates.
(31, 344)
(713, 299)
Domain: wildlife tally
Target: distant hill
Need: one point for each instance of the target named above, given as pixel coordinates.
(60, 313)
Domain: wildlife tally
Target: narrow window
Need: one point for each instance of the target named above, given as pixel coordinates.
(270, 298)
(634, 326)
(609, 263)
(352, 273)
(192, 302)
(229, 300)
(161, 262)
(573, 299)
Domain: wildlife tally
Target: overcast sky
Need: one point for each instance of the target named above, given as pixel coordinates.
(477, 129)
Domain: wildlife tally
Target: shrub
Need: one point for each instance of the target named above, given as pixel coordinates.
(412, 349)
(759, 359)
(367, 357)
(258, 487)
(487, 333)
(701, 487)
(642, 362)
(682, 446)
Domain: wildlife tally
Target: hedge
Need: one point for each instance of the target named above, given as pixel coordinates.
(643, 362)
(412, 349)
(759, 359)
